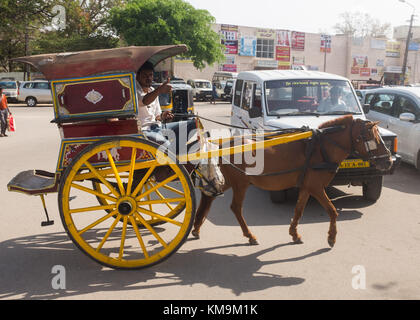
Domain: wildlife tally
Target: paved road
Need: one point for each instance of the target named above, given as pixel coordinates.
(376, 242)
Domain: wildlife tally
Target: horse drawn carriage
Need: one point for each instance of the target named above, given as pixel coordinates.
(122, 200)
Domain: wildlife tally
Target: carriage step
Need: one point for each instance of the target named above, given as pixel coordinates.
(34, 182)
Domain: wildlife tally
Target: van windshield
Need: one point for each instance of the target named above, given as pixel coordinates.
(202, 84)
(299, 97)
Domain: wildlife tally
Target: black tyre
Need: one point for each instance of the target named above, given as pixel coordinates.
(31, 102)
(372, 189)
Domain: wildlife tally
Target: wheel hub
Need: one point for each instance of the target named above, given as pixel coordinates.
(126, 206)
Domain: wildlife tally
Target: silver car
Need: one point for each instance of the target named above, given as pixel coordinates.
(10, 89)
(34, 92)
(398, 109)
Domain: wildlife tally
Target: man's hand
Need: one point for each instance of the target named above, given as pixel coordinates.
(167, 116)
(165, 87)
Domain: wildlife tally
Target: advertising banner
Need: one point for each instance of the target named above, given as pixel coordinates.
(248, 46)
(266, 34)
(283, 54)
(378, 44)
(355, 70)
(283, 38)
(229, 67)
(365, 72)
(414, 46)
(325, 43)
(298, 40)
(231, 46)
(393, 49)
(360, 61)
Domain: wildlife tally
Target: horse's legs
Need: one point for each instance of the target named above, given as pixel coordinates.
(332, 212)
(300, 206)
(201, 214)
(237, 206)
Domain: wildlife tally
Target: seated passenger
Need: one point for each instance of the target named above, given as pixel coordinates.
(150, 116)
(333, 102)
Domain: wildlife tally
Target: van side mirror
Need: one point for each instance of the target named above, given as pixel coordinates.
(255, 112)
(366, 108)
(407, 116)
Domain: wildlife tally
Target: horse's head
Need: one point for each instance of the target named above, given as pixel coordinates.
(368, 144)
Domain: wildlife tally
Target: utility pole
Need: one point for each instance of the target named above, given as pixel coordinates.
(408, 40)
(409, 36)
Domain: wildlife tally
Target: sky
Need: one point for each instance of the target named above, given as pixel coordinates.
(313, 16)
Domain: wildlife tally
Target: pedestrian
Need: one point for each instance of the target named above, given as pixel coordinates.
(151, 117)
(4, 113)
(213, 94)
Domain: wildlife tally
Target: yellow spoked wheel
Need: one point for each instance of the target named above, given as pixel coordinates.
(170, 210)
(138, 188)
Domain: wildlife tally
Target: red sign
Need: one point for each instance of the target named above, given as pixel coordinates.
(355, 70)
(283, 54)
(298, 40)
(230, 67)
(365, 72)
(231, 46)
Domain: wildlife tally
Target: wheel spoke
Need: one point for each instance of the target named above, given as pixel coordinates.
(174, 190)
(140, 185)
(131, 170)
(158, 216)
(123, 235)
(144, 222)
(98, 194)
(114, 168)
(113, 213)
(108, 233)
(156, 187)
(96, 173)
(136, 230)
(162, 198)
(95, 208)
(162, 201)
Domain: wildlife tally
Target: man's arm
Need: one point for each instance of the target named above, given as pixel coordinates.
(151, 96)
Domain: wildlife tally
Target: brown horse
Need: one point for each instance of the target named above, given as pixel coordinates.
(316, 161)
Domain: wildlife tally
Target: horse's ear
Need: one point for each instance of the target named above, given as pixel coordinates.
(372, 124)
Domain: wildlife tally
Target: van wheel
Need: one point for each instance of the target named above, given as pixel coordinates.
(31, 102)
(372, 189)
(278, 196)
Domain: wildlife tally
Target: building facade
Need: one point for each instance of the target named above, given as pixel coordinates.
(358, 59)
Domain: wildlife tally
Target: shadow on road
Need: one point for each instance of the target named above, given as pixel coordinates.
(260, 211)
(26, 265)
(405, 179)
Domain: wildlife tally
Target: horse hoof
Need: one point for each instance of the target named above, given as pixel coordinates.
(253, 242)
(298, 241)
(195, 234)
(331, 242)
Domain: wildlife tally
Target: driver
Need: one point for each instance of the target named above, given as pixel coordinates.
(150, 115)
(333, 102)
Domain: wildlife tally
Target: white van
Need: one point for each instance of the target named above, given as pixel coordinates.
(281, 99)
(202, 89)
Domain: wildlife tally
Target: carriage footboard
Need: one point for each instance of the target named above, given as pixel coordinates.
(34, 182)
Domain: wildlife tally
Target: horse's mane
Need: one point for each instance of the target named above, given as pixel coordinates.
(345, 120)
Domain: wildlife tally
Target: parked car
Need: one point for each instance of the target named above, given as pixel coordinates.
(398, 109)
(293, 99)
(202, 89)
(34, 92)
(10, 89)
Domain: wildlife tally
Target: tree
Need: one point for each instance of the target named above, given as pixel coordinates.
(85, 28)
(20, 19)
(165, 22)
(358, 24)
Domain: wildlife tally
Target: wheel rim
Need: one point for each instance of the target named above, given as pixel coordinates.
(110, 233)
(31, 102)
